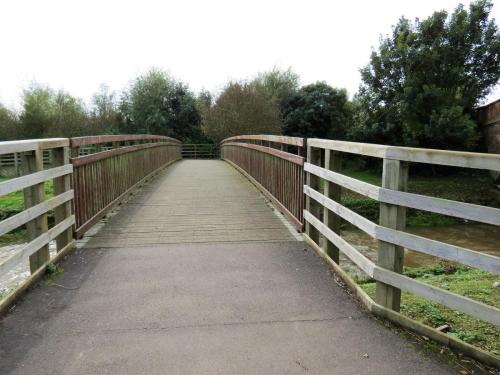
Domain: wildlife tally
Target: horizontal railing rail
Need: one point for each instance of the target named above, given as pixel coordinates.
(119, 139)
(324, 211)
(103, 178)
(275, 165)
(34, 217)
(200, 151)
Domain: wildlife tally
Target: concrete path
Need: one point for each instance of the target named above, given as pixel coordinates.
(143, 302)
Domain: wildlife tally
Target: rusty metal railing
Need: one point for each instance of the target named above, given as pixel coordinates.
(275, 164)
(115, 166)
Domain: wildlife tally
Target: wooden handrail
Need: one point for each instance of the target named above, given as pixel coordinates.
(102, 139)
(324, 162)
(278, 173)
(10, 147)
(36, 206)
(293, 141)
(417, 155)
(102, 178)
(271, 151)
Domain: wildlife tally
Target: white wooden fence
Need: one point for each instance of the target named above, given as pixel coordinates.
(32, 182)
(324, 162)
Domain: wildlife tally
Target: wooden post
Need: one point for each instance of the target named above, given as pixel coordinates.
(61, 185)
(75, 152)
(33, 162)
(313, 157)
(333, 162)
(17, 171)
(390, 256)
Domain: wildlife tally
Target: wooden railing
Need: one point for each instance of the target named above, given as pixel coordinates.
(324, 210)
(200, 151)
(102, 178)
(36, 204)
(275, 165)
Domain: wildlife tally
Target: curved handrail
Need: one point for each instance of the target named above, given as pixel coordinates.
(293, 141)
(102, 139)
(275, 167)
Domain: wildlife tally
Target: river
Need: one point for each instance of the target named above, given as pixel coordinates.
(480, 237)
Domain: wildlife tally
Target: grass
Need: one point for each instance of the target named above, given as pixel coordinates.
(477, 188)
(13, 203)
(473, 283)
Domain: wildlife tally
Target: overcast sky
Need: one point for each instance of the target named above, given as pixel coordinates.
(78, 44)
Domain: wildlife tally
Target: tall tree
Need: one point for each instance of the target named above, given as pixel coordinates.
(280, 84)
(37, 111)
(317, 110)
(104, 114)
(9, 124)
(421, 86)
(157, 104)
(47, 113)
(242, 108)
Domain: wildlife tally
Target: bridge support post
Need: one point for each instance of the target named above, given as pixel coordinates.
(61, 185)
(390, 256)
(33, 162)
(333, 162)
(313, 157)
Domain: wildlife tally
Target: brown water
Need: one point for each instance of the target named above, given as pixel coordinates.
(480, 237)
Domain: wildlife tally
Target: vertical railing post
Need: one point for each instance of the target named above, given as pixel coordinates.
(17, 171)
(61, 185)
(390, 256)
(333, 162)
(313, 157)
(33, 162)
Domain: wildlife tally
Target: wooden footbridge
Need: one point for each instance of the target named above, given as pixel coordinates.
(193, 265)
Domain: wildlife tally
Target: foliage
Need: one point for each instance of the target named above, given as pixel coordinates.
(279, 84)
(8, 124)
(104, 115)
(157, 104)
(47, 113)
(317, 110)
(422, 85)
(242, 108)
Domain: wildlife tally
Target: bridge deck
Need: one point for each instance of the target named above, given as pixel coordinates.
(218, 286)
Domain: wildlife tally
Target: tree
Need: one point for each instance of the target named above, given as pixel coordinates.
(157, 104)
(280, 84)
(9, 124)
(70, 117)
(422, 85)
(37, 111)
(317, 110)
(104, 115)
(46, 113)
(242, 108)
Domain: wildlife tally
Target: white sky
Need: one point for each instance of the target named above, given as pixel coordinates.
(77, 45)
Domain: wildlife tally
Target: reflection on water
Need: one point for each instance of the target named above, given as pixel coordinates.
(480, 237)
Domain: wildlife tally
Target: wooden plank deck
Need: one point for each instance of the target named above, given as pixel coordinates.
(194, 201)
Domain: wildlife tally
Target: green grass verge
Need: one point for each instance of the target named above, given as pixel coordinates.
(13, 203)
(473, 283)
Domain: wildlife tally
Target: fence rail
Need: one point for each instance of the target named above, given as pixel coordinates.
(200, 151)
(102, 178)
(275, 164)
(36, 206)
(324, 162)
